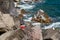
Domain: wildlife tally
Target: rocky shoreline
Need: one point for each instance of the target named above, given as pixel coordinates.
(13, 27)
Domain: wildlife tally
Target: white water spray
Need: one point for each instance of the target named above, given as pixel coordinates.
(53, 25)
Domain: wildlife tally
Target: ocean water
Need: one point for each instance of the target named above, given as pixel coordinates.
(51, 7)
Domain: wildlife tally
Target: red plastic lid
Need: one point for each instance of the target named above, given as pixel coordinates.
(22, 27)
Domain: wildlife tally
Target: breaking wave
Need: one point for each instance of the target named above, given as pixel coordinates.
(30, 5)
(26, 6)
(55, 24)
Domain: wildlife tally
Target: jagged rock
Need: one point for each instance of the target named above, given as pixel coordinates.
(6, 21)
(6, 5)
(37, 32)
(13, 35)
(5, 35)
(51, 34)
(2, 24)
(41, 17)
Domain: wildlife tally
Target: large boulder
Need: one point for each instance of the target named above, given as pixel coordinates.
(6, 21)
(6, 5)
(13, 35)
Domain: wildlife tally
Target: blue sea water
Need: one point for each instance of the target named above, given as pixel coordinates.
(51, 7)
